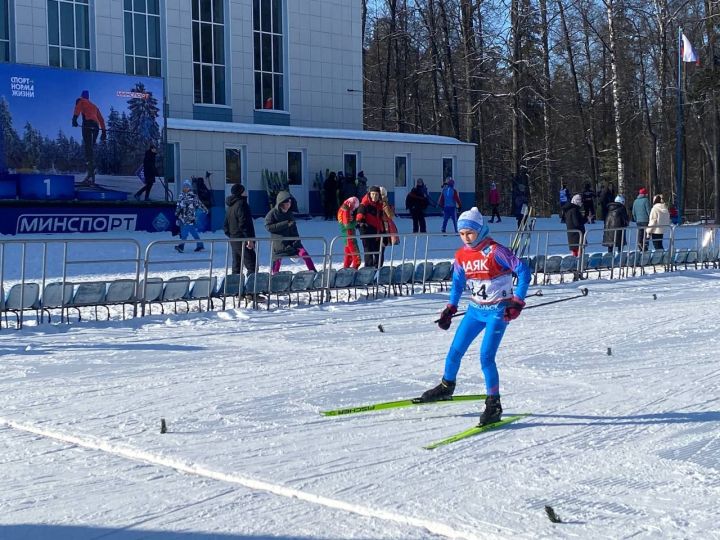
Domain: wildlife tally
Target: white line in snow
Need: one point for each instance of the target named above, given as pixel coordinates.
(140, 455)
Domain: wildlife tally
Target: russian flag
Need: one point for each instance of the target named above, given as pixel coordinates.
(688, 53)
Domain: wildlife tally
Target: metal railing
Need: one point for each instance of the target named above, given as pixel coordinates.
(70, 261)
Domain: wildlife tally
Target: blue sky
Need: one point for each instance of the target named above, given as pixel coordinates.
(55, 92)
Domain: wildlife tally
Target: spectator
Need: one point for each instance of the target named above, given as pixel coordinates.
(361, 185)
(564, 199)
(521, 207)
(588, 203)
(450, 203)
(185, 211)
(149, 173)
(417, 200)
(239, 224)
(658, 221)
(641, 216)
(280, 223)
(494, 200)
(370, 222)
(346, 219)
(616, 219)
(575, 223)
(607, 196)
(388, 220)
(330, 191)
(346, 185)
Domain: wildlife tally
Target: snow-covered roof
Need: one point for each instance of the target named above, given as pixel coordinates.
(319, 133)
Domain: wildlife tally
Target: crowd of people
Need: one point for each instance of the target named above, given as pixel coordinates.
(366, 217)
(652, 220)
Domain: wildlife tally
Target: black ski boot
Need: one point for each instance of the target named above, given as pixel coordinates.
(442, 392)
(492, 412)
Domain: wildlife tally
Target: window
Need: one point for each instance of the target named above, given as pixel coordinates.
(208, 27)
(4, 31)
(142, 37)
(69, 33)
(171, 161)
(234, 165)
(269, 50)
(448, 165)
(295, 168)
(350, 166)
(401, 171)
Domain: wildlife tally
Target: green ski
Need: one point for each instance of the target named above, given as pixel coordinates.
(475, 431)
(398, 404)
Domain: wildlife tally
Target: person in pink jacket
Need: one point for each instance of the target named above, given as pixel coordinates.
(494, 200)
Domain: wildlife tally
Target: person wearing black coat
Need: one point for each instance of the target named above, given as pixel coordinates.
(574, 221)
(616, 219)
(280, 223)
(239, 224)
(149, 172)
(607, 196)
(330, 189)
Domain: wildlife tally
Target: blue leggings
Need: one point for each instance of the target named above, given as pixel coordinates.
(449, 213)
(475, 321)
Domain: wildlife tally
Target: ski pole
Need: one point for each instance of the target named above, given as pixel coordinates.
(536, 293)
(583, 292)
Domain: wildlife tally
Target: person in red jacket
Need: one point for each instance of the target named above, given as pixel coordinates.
(494, 200)
(92, 123)
(346, 219)
(370, 221)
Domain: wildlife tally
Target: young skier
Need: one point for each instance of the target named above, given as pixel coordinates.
(488, 268)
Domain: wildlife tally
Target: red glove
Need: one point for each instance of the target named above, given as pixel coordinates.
(513, 309)
(446, 315)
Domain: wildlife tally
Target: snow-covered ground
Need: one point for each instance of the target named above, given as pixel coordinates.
(622, 441)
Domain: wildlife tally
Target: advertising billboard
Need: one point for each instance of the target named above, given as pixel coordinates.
(95, 126)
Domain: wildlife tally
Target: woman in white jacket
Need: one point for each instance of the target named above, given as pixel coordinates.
(659, 221)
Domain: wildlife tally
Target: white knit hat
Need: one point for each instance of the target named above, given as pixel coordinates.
(576, 200)
(471, 219)
(620, 199)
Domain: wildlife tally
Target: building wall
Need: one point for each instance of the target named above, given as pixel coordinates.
(202, 151)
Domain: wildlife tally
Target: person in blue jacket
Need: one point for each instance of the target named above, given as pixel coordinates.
(641, 215)
(487, 267)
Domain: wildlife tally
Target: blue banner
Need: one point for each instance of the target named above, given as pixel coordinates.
(85, 219)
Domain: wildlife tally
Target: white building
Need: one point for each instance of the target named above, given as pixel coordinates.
(250, 85)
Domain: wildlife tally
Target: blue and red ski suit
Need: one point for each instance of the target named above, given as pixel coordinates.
(488, 269)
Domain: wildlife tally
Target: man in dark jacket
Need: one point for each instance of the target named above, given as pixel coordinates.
(239, 224)
(588, 203)
(330, 194)
(149, 173)
(280, 223)
(416, 202)
(607, 196)
(575, 223)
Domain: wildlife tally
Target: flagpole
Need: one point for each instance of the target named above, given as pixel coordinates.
(679, 132)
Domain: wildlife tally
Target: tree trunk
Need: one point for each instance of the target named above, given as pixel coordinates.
(609, 4)
(547, 102)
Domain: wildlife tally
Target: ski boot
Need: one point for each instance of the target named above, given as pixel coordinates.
(442, 392)
(492, 412)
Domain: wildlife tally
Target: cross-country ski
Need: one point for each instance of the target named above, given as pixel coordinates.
(384, 405)
(476, 430)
